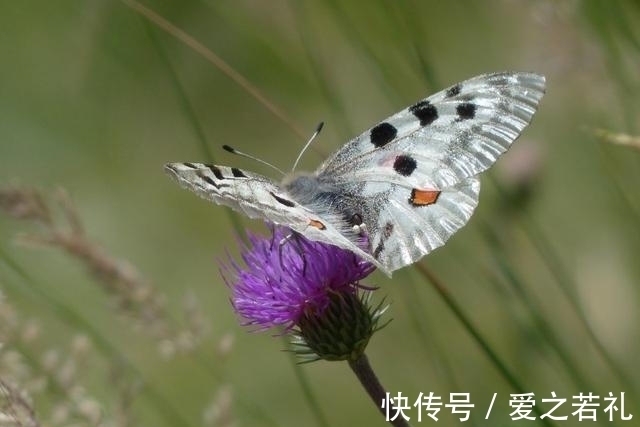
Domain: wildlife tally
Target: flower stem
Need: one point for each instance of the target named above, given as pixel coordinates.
(371, 384)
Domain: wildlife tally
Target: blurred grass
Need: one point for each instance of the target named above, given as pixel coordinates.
(95, 100)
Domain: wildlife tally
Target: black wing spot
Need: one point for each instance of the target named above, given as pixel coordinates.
(386, 233)
(382, 134)
(282, 201)
(210, 181)
(238, 173)
(388, 229)
(453, 91)
(424, 111)
(207, 179)
(405, 165)
(466, 111)
(379, 249)
(216, 171)
(190, 165)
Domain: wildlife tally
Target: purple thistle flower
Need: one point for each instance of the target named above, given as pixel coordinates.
(282, 283)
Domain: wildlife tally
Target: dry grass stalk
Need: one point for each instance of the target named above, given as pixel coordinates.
(135, 296)
(617, 138)
(16, 409)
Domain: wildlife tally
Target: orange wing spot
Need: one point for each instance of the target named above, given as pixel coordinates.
(317, 224)
(423, 197)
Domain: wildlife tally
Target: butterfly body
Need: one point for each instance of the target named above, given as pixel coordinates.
(399, 190)
(320, 193)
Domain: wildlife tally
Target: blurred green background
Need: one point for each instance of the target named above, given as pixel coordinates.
(95, 98)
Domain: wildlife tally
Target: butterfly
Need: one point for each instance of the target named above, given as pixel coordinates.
(399, 190)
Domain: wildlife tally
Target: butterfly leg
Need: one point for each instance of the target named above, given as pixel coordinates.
(294, 238)
(273, 241)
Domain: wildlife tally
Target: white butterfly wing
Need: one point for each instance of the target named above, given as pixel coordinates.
(251, 194)
(406, 231)
(416, 171)
(439, 141)
(258, 197)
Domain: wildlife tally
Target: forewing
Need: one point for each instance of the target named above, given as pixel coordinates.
(258, 197)
(251, 194)
(445, 138)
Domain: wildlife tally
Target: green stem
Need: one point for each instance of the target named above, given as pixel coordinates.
(190, 114)
(362, 368)
(307, 391)
(493, 356)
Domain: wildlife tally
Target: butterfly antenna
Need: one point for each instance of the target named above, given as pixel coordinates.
(318, 129)
(249, 156)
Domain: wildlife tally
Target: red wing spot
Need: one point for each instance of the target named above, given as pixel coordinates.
(423, 197)
(317, 224)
